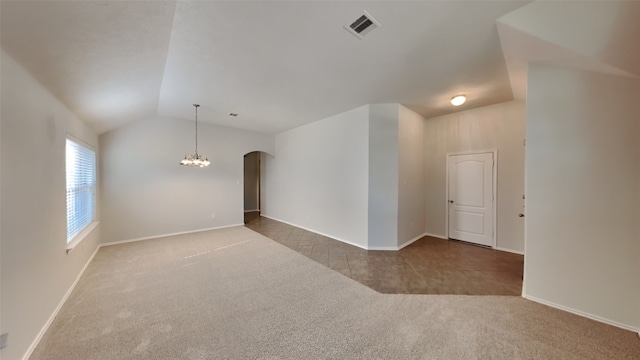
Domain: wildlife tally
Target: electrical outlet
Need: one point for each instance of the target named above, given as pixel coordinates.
(3, 340)
(213, 216)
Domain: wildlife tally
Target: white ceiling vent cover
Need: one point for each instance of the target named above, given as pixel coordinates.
(363, 25)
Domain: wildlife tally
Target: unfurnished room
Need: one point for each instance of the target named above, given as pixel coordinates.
(319, 180)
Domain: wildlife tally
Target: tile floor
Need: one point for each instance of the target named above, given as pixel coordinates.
(428, 266)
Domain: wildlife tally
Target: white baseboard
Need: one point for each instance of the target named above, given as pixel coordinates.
(44, 329)
(254, 210)
(497, 248)
(436, 236)
(383, 248)
(412, 241)
(375, 248)
(582, 313)
(396, 248)
(316, 232)
(509, 250)
(167, 235)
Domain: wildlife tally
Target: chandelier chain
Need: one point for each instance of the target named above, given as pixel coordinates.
(195, 159)
(196, 106)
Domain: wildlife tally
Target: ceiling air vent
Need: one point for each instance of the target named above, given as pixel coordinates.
(363, 25)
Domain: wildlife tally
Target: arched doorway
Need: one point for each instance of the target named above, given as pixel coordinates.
(251, 185)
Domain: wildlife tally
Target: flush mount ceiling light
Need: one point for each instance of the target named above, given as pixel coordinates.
(458, 100)
(195, 160)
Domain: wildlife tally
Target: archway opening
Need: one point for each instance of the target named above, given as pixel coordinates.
(252, 198)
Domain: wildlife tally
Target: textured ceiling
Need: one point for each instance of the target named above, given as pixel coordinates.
(278, 64)
(104, 60)
(595, 36)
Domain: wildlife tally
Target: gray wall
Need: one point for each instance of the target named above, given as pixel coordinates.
(364, 151)
(411, 180)
(383, 176)
(500, 127)
(583, 193)
(372, 161)
(36, 270)
(318, 177)
(146, 193)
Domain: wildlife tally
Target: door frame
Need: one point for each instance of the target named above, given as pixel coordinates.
(494, 239)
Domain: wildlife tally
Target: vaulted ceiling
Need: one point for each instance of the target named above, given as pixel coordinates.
(277, 64)
(280, 65)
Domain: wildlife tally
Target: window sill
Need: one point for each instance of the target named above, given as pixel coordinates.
(83, 234)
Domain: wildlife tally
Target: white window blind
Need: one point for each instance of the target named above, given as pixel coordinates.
(81, 187)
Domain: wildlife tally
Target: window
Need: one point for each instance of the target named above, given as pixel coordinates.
(81, 187)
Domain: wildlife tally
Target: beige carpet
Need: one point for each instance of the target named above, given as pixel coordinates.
(234, 294)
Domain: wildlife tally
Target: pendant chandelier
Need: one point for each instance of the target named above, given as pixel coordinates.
(195, 159)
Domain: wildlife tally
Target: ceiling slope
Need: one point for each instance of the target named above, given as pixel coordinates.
(592, 36)
(278, 65)
(104, 60)
(284, 64)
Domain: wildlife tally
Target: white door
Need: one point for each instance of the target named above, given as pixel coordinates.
(471, 198)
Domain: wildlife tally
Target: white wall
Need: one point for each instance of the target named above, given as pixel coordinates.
(411, 189)
(146, 193)
(36, 270)
(318, 177)
(340, 177)
(500, 127)
(583, 208)
(383, 176)
(252, 181)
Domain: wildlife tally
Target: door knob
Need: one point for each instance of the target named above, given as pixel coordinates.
(520, 215)
(451, 201)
